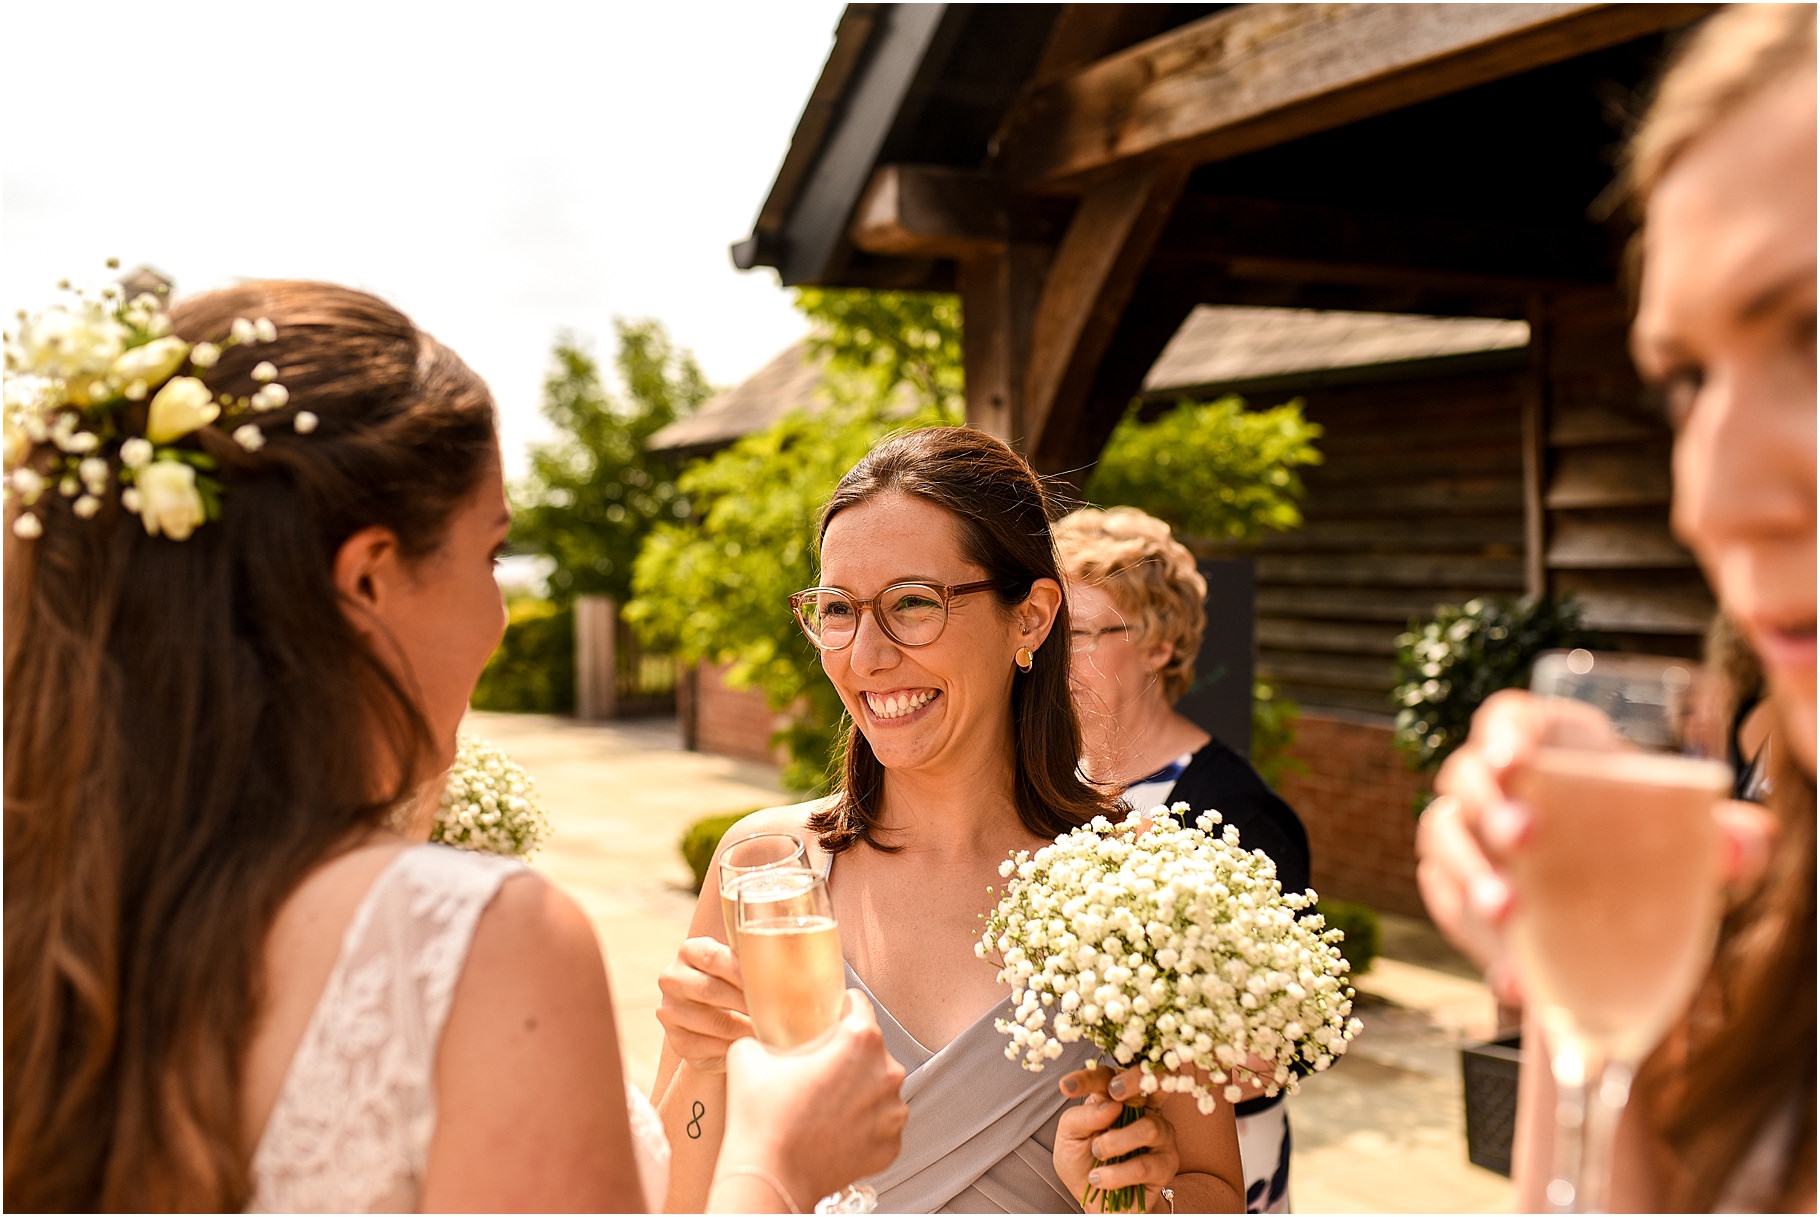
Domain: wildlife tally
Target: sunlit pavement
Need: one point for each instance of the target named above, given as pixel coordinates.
(1382, 1132)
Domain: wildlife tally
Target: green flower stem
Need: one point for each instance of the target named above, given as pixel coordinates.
(1119, 1199)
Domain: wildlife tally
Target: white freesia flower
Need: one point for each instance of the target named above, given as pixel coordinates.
(28, 526)
(304, 422)
(249, 437)
(87, 506)
(74, 344)
(169, 503)
(177, 409)
(489, 803)
(136, 453)
(265, 331)
(204, 355)
(242, 331)
(152, 363)
(265, 371)
(270, 397)
(27, 483)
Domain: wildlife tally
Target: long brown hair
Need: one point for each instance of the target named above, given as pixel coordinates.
(1744, 1058)
(190, 728)
(1004, 514)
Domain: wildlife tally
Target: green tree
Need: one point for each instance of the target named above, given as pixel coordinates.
(594, 493)
(1214, 470)
(717, 589)
(878, 343)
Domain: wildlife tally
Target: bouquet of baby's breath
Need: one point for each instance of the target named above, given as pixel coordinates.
(489, 803)
(1171, 948)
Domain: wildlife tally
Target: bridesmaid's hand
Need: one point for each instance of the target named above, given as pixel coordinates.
(1086, 1133)
(817, 1120)
(704, 1004)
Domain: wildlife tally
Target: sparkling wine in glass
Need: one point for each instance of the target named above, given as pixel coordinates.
(795, 981)
(761, 851)
(1618, 894)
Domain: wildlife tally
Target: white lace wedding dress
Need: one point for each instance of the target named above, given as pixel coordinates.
(352, 1126)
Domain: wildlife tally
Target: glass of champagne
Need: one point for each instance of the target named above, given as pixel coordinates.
(1618, 894)
(758, 852)
(791, 962)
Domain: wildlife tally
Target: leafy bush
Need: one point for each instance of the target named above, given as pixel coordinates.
(1273, 722)
(1364, 936)
(702, 838)
(533, 671)
(1213, 470)
(1447, 667)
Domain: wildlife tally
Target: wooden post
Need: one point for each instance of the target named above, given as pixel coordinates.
(596, 661)
(1535, 453)
(999, 293)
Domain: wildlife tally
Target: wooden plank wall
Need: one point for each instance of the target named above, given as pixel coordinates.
(1606, 487)
(1419, 502)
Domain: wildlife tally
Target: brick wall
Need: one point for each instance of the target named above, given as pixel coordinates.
(728, 722)
(1357, 801)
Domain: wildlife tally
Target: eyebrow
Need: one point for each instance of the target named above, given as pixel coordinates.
(1770, 297)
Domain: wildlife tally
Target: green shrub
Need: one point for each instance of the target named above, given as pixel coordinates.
(1447, 667)
(1360, 925)
(533, 671)
(702, 838)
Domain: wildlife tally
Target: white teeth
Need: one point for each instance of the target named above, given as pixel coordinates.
(898, 705)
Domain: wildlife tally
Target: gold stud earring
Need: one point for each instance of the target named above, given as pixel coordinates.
(1025, 660)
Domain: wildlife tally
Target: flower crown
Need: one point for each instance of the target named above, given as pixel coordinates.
(100, 394)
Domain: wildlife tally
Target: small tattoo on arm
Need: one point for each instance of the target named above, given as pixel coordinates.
(693, 1128)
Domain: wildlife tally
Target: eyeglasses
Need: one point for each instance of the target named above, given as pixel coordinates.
(1085, 642)
(910, 614)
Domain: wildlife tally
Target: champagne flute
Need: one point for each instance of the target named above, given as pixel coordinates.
(747, 855)
(1618, 894)
(791, 962)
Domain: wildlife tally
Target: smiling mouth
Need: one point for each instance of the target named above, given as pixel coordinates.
(897, 705)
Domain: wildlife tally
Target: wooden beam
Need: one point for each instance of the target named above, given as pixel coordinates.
(1271, 239)
(1256, 75)
(1535, 453)
(1091, 280)
(1070, 448)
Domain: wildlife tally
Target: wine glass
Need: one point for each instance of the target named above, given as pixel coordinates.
(791, 962)
(1618, 893)
(761, 851)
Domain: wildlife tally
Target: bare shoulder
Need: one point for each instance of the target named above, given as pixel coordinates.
(528, 1065)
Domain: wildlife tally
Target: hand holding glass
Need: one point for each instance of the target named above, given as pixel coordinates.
(1618, 894)
(790, 958)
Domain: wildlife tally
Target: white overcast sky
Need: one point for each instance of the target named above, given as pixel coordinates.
(501, 171)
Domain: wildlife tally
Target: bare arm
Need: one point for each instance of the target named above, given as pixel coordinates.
(528, 1070)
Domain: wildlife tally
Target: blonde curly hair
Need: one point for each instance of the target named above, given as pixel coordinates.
(1149, 574)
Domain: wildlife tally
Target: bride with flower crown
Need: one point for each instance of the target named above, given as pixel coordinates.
(249, 588)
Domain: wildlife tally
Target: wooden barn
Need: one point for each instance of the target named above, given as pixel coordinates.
(1087, 176)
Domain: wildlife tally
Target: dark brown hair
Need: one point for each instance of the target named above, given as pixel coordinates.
(1744, 1058)
(1004, 513)
(193, 726)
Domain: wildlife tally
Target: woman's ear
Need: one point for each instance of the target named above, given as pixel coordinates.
(1036, 615)
(1157, 657)
(366, 568)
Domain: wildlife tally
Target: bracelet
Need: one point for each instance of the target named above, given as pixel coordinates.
(763, 1176)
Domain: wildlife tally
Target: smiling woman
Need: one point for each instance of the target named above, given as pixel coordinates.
(941, 624)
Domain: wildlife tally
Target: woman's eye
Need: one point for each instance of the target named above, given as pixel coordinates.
(835, 608)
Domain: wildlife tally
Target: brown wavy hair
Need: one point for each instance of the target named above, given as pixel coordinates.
(1744, 1057)
(191, 727)
(1003, 511)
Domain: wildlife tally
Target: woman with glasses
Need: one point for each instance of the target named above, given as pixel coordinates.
(940, 620)
(1137, 611)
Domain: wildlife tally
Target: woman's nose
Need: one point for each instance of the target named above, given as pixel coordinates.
(872, 648)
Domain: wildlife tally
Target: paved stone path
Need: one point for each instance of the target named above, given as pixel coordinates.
(1380, 1133)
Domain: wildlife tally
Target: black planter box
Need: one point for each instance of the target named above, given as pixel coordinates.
(1489, 1071)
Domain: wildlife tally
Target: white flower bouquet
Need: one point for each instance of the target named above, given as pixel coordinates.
(489, 803)
(1171, 948)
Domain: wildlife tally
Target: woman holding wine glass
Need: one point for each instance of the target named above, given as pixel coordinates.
(940, 621)
(1721, 1114)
